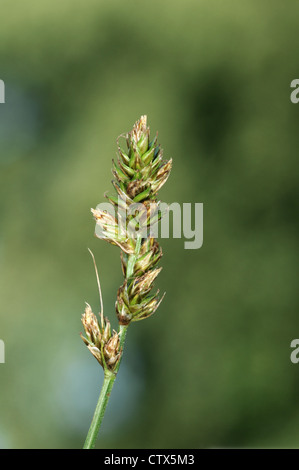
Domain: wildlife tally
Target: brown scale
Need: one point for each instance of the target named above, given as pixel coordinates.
(135, 187)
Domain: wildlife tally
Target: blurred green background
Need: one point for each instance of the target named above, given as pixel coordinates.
(212, 368)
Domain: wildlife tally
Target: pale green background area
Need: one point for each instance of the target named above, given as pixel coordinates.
(212, 367)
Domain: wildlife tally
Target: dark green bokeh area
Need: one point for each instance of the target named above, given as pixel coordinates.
(212, 367)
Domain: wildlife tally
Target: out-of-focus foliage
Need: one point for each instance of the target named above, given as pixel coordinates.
(212, 367)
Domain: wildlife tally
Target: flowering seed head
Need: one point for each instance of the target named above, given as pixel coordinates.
(101, 343)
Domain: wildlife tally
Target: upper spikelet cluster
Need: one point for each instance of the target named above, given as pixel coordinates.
(139, 173)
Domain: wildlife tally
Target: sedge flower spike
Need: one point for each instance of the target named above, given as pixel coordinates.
(139, 173)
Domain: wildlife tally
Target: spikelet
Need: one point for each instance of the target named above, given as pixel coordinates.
(103, 344)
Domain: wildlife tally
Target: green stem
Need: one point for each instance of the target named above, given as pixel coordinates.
(100, 410)
(109, 378)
